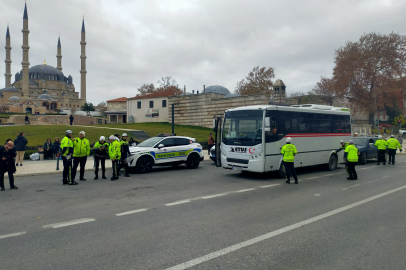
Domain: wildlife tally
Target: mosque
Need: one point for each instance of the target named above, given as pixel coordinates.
(41, 88)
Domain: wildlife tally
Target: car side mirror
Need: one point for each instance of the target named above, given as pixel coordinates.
(161, 146)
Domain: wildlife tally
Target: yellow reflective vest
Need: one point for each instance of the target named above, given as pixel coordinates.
(68, 144)
(288, 151)
(393, 144)
(381, 144)
(81, 147)
(352, 153)
(115, 150)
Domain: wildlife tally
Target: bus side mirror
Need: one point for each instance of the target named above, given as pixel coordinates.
(267, 122)
(215, 125)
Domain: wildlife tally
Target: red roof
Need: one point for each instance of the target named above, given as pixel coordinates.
(166, 93)
(122, 99)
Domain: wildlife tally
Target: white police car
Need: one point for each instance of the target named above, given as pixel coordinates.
(165, 151)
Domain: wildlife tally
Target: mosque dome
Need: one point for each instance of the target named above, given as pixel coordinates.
(217, 89)
(44, 72)
(102, 104)
(44, 97)
(8, 89)
(14, 98)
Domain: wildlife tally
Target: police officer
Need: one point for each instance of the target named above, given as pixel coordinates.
(351, 157)
(115, 155)
(343, 146)
(81, 149)
(289, 151)
(125, 153)
(101, 149)
(393, 144)
(67, 152)
(381, 144)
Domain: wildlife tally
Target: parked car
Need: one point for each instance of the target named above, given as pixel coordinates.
(367, 148)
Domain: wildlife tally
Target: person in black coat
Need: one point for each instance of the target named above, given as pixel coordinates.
(71, 119)
(48, 149)
(56, 147)
(19, 144)
(7, 154)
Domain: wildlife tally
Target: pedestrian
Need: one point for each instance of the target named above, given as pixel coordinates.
(351, 157)
(20, 144)
(7, 154)
(400, 139)
(381, 144)
(67, 152)
(27, 120)
(115, 155)
(343, 146)
(356, 134)
(101, 150)
(71, 119)
(81, 149)
(210, 142)
(125, 153)
(289, 151)
(393, 144)
(48, 149)
(55, 147)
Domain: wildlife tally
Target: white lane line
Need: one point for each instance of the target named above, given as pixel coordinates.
(178, 202)
(329, 174)
(355, 185)
(269, 235)
(213, 196)
(132, 212)
(68, 223)
(245, 190)
(267, 186)
(311, 178)
(11, 235)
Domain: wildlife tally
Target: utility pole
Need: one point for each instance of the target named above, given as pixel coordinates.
(173, 117)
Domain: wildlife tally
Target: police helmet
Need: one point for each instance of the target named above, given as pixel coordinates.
(288, 139)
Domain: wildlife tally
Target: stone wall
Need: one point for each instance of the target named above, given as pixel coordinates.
(117, 106)
(199, 110)
(54, 120)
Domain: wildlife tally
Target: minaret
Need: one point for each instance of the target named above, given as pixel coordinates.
(83, 63)
(25, 63)
(8, 59)
(59, 55)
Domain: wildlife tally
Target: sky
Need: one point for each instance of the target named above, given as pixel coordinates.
(206, 42)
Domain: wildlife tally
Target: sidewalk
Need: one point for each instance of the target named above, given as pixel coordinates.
(43, 167)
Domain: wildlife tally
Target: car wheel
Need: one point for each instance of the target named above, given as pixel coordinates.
(363, 159)
(332, 163)
(282, 171)
(144, 165)
(193, 161)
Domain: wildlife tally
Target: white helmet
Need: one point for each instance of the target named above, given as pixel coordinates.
(379, 136)
(350, 142)
(124, 135)
(102, 138)
(392, 136)
(288, 139)
(83, 133)
(341, 141)
(112, 137)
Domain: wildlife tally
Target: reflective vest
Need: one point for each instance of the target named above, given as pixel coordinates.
(393, 144)
(67, 142)
(288, 151)
(352, 151)
(101, 152)
(381, 144)
(81, 147)
(115, 150)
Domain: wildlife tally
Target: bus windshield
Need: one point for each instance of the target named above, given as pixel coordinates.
(243, 127)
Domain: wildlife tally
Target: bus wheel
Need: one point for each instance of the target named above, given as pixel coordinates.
(332, 163)
(282, 171)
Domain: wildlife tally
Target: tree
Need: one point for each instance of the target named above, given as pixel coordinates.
(369, 72)
(326, 89)
(166, 82)
(175, 90)
(258, 81)
(396, 121)
(146, 89)
(392, 113)
(88, 107)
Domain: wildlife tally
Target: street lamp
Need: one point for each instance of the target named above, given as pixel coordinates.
(173, 117)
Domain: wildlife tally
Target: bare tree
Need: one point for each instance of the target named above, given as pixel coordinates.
(326, 89)
(166, 82)
(258, 81)
(146, 88)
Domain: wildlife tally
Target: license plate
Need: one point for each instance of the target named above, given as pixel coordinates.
(236, 168)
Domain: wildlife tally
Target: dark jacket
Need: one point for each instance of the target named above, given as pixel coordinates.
(56, 147)
(47, 145)
(71, 117)
(9, 161)
(19, 143)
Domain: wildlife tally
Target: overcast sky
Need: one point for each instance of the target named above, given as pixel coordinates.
(206, 42)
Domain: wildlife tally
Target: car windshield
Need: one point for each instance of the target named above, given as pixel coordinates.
(243, 127)
(150, 142)
(360, 141)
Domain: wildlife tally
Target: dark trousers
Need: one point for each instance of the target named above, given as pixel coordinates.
(290, 170)
(115, 168)
(346, 169)
(47, 154)
(124, 165)
(97, 161)
(210, 147)
(76, 162)
(381, 156)
(67, 170)
(10, 170)
(351, 170)
(392, 154)
(71, 121)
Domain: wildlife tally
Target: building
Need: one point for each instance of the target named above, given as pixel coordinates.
(117, 110)
(41, 88)
(149, 108)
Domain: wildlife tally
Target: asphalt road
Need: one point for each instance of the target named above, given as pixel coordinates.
(208, 218)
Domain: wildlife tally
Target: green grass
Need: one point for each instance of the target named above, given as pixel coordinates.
(37, 135)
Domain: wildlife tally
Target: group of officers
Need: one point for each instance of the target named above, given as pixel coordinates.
(351, 154)
(74, 152)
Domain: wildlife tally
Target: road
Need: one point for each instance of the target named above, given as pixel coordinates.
(208, 218)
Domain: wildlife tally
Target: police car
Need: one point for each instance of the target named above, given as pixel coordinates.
(165, 151)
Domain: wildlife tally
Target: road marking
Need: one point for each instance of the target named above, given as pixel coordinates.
(178, 202)
(329, 174)
(213, 196)
(269, 235)
(344, 188)
(244, 190)
(12, 234)
(317, 194)
(355, 185)
(310, 178)
(267, 186)
(132, 212)
(68, 223)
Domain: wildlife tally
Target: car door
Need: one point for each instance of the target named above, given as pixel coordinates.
(371, 148)
(167, 153)
(183, 146)
(374, 149)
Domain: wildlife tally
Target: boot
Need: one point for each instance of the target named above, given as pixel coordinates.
(296, 181)
(113, 178)
(96, 177)
(104, 176)
(73, 183)
(288, 181)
